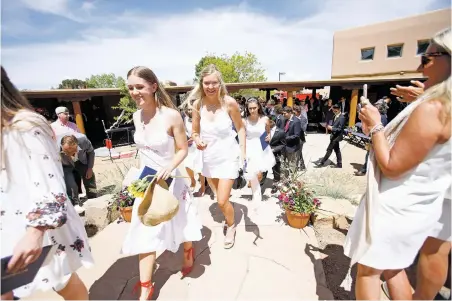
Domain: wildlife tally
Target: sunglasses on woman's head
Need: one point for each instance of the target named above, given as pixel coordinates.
(427, 57)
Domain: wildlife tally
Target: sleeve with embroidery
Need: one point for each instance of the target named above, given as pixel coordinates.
(48, 189)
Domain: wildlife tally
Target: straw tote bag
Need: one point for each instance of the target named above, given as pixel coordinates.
(158, 205)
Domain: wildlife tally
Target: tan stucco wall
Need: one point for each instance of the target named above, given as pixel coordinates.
(348, 44)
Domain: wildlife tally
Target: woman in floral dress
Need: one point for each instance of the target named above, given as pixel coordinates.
(35, 210)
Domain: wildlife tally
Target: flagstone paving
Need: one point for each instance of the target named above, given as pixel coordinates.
(270, 260)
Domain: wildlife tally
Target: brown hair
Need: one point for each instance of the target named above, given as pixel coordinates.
(162, 97)
(12, 100)
(69, 139)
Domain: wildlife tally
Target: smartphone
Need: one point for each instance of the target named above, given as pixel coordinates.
(364, 100)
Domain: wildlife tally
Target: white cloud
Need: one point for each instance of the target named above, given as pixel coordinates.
(55, 7)
(172, 44)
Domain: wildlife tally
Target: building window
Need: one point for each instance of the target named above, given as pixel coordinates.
(367, 53)
(395, 50)
(422, 46)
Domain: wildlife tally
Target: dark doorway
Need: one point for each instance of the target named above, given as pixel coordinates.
(93, 114)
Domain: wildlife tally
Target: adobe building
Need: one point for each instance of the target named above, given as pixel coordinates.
(387, 50)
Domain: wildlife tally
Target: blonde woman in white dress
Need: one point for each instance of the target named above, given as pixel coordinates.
(258, 160)
(409, 178)
(214, 115)
(35, 210)
(159, 131)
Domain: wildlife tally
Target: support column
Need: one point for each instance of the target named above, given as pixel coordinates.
(290, 98)
(353, 106)
(78, 116)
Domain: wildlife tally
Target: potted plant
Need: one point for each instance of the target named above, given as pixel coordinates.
(125, 199)
(297, 198)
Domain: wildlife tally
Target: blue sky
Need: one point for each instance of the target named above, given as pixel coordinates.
(46, 41)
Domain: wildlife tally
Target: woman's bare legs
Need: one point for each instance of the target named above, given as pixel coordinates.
(75, 289)
(431, 268)
(212, 185)
(191, 174)
(202, 189)
(223, 189)
(398, 285)
(367, 283)
(146, 267)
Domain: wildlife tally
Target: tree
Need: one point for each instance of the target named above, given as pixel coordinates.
(126, 104)
(235, 69)
(105, 81)
(72, 84)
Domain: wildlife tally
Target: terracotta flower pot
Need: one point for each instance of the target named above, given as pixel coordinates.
(297, 220)
(126, 213)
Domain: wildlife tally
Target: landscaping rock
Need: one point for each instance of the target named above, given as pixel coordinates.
(335, 207)
(340, 222)
(97, 212)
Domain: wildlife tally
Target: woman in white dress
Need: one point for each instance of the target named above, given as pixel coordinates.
(159, 131)
(409, 174)
(35, 210)
(214, 115)
(259, 156)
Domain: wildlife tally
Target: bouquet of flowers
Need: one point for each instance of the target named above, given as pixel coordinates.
(126, 197)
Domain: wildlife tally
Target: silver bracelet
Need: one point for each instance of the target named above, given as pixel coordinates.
(378, 128)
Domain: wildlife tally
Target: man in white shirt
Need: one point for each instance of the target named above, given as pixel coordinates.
(62, 125)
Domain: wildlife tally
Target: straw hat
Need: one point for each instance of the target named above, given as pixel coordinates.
(158, 205)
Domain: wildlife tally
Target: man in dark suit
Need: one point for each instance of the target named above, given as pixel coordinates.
(337, 132)
(279, 117)
(304, 123)
(292, 128)
(344, 106)
(277, 142)
(77, 158)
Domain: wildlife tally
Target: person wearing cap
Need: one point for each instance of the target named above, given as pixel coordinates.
(62, 125)
(337, 131)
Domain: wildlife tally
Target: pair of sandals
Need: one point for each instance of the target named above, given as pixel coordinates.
(229, 235)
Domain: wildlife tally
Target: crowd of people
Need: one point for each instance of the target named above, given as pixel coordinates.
(408, 172)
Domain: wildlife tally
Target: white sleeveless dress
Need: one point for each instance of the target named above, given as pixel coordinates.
(156, 149)
(192, 159)
(409, 210)
(221, 158)
(33, 193)
(258, 160)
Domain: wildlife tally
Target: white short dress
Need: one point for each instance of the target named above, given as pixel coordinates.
(221, 157)
(33, 193)
(156, 150)
(258, 159)
(409, 210)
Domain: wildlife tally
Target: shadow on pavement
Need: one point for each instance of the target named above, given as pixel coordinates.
(119, 281)
(335, 266)
(240, 212)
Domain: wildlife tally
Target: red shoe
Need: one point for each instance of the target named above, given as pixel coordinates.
(187, 270)
(146, 284)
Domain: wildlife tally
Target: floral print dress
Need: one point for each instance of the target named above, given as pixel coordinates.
(33, 193)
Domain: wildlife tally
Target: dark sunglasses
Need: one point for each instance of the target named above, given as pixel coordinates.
(427, 57)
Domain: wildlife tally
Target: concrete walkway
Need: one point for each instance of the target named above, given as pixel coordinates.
(270, 260)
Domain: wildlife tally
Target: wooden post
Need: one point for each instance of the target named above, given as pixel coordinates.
(289, 98)
(353, 107)
(78, 116)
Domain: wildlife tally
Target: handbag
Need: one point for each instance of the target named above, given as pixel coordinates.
(158, 205)
(240, 181)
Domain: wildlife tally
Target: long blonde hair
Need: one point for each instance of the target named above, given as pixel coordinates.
(162, 97)
(198, 91)
(441, 91)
